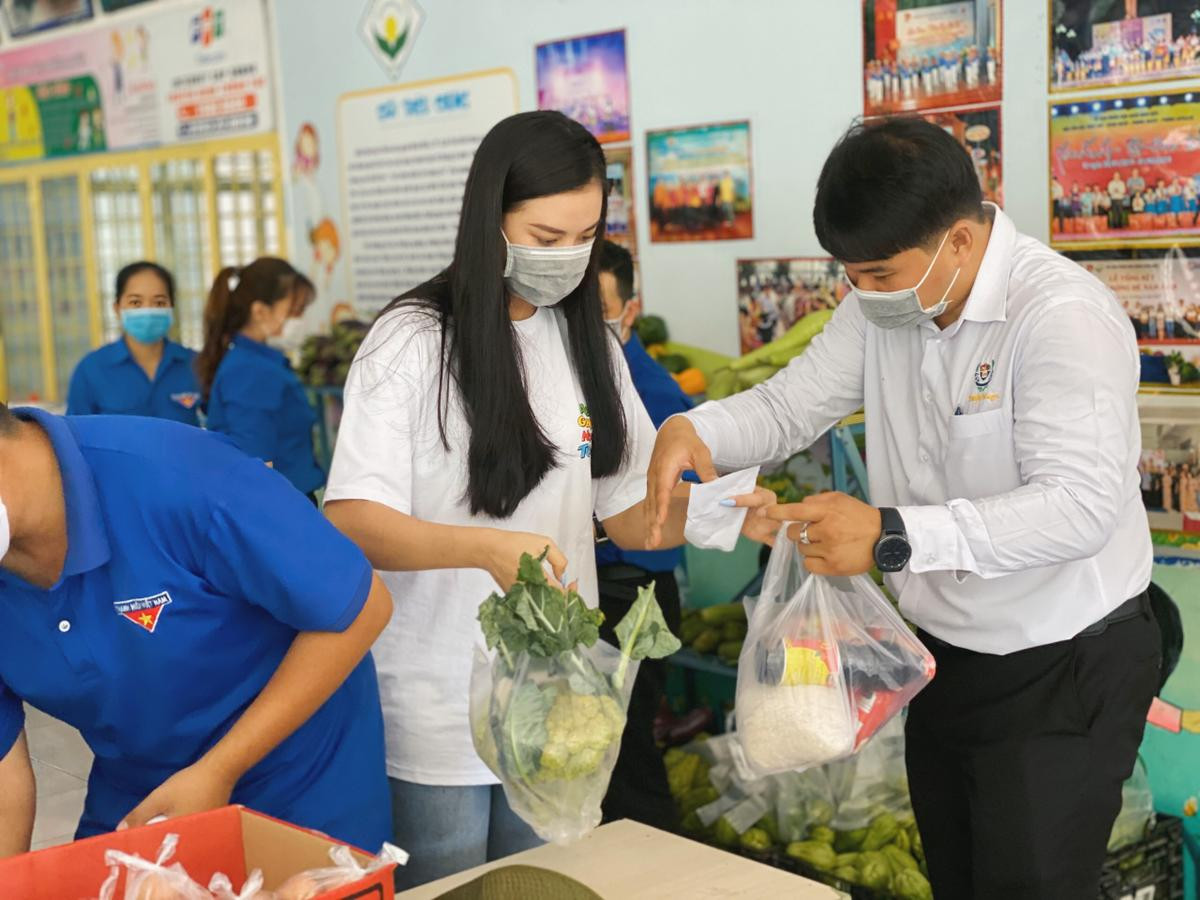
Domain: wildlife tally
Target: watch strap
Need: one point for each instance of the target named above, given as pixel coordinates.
(891, 522)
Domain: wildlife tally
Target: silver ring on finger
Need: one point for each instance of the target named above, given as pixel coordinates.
(804, 534)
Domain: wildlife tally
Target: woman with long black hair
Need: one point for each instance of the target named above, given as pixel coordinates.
(489, 413)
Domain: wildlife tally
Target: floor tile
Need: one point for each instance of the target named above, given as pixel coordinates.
(61, 747)
(51, 781)
(58, 815)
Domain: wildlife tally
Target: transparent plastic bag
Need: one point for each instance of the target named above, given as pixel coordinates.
(146, 880)
(826, 663)
(344, 871)
(550, 730)
(872, 781)
(221, 887)
(802, 799)
(1137, 810)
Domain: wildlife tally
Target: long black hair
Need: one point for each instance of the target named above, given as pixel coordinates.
(526, 156)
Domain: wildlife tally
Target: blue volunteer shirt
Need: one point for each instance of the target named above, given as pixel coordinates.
(663, 397)
(257, 400)
(190, 570)
(108, 381)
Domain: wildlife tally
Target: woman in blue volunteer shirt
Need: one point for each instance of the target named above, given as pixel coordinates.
(143, 373)
(203, 626)
(253, 396)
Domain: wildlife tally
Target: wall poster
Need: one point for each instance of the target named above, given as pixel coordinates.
(1097, 44)
(586, 78)
(700, 183)
(1123, 170)
(920, 55)
(1161, 296)
(978, 130)
(28, 16)
(1170, 462)
(404, 154)
(774, 294)
(620, 228)
(194, 71)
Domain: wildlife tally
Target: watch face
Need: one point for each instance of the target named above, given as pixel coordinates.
(892, 553)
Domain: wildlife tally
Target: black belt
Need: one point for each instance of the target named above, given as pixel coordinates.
(1130, 609)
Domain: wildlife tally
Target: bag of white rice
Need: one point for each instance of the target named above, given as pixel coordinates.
(826, 663)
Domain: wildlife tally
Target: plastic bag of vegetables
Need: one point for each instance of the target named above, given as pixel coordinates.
(1137, 810)
(826, 663)
(548, 710)
(872, 781)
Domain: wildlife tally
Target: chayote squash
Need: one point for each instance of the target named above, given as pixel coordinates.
(898, 859)
(817, 854)
(848, 841)
(755, 840)
(881, 831)
(874, 871)
(822, 833)
(911, 885)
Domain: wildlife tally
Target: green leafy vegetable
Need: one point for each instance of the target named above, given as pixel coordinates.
(525, 726)
(643, 634)
(536, 617)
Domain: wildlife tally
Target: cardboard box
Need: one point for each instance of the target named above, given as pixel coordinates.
(233, 840)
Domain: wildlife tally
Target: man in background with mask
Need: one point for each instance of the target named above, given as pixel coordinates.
(638, 789)
(999, 381)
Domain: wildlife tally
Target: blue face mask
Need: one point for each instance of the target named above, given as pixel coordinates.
(147, 326)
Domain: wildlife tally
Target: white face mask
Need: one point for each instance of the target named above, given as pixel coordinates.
(5, 534)
(544, 276)
(291, 337)
(617, 327)
(896, 309)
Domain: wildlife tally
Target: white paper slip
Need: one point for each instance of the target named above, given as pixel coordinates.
(710, 525)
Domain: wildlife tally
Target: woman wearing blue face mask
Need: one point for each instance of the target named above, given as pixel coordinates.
(489, 413)
(142, 373)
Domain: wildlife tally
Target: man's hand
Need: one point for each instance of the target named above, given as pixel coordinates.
(758, 526)
(677, 449)
(198, 788)
(842, 532)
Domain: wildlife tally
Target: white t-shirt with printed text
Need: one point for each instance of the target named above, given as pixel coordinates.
(390, 451)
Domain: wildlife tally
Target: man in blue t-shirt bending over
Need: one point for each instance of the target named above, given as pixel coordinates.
(205, 629)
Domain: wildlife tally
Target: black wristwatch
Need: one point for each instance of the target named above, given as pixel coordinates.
(892, 550)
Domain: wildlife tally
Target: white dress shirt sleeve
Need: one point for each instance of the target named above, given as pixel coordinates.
(1075, 380)
(789, 411)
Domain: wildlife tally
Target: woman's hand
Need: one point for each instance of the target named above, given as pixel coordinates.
(198, 788)
(758, 526)
(500, 555)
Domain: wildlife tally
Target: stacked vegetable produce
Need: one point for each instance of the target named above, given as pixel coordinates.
(716, 630)
(547, 713)
(757, 366)
(847, 824)
(325, 359)
(701, 371)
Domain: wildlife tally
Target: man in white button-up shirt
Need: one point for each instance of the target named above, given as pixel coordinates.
(1002, 448)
